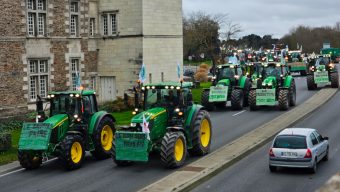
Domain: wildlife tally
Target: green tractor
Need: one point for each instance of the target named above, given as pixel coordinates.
(167, 122)
(274, 83)
(74, 126)
(322, 71)
(229, 84)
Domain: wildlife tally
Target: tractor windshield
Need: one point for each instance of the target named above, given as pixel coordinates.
(322, 61)
(272, 70)
(225, 73)
(64, 104)
(161, 98)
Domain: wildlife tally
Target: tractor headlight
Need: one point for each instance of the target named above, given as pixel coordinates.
(75, 116)
(134, 112)
(133, 124)
(136, 109)
(177, 110)
(237, 77)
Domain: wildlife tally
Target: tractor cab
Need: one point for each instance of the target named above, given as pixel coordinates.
(227, 74)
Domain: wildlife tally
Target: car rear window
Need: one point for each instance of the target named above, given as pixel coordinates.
(290, 142)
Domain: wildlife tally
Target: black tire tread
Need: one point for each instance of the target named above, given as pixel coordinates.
(65, 155)
(167, 149)
(26, 160)
(334, 77)
(99, 152)
(310, 82)
(252, 100)
(205, 101)
(283, 99)
(237, 99)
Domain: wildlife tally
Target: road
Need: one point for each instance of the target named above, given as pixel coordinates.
(252, 173)
(105, 176)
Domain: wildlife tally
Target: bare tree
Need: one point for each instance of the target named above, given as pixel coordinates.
(232, 29)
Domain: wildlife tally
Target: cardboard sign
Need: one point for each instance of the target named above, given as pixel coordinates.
(218, 94)
(321, 77)
(265, 97)
(131, 146)
(35, 136)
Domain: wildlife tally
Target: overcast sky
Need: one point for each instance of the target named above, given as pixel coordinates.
(271, 17)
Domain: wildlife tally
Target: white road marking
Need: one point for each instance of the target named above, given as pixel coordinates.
(239, 113)
(15, 171)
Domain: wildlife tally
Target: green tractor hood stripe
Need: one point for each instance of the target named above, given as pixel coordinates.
(149, 114)
(224, 82)
(56, 120)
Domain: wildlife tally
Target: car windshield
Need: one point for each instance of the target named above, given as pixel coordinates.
(160, 98)
(62, 104)
(225, 73)
(290, 142)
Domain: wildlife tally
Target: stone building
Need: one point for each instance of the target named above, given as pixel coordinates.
(46, 44)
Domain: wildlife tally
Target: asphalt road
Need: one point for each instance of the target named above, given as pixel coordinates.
(106, 176)
(252, 173)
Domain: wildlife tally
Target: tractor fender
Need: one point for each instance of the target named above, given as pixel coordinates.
(189, 123)
(288, 81)
(242, 82)
(96, 118)
(175, 128)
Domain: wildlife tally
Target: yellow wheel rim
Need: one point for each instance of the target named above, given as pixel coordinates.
(106, 138)
(179, 149)
(76, 152)
(205, 133)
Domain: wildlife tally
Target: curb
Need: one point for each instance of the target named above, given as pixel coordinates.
(195, 173)
(332, 185)
(9, 167)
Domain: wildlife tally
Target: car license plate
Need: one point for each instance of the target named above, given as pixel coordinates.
(289, 154)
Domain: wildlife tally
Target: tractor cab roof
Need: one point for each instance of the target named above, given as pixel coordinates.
(167, 85)
(79, 92)
(277, 64)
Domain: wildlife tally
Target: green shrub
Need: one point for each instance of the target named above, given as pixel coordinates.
(115, 106)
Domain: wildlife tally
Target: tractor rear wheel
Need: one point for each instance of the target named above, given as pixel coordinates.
(72, 152)
(103, 136)
(283, 99)
(237, 99)
(201, 135)
(120, 163)
(334, 77)
(173, 149)
(205, 101)
(252, 100)
(292, 94)
(246, 90)
(310, 82)
(28, 160)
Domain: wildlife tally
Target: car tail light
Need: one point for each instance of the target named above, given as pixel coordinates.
(271, 153)
(308, 153)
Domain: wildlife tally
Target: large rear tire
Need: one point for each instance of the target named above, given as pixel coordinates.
(205, 101)
(283, 99)
(173, 149)
(252, 100)
(292, 94)
(237, 99)
(72, 152)
(246, 89)
(103, 137)
(334, 77)
(310, 82)
(201, 135)
(28, 160)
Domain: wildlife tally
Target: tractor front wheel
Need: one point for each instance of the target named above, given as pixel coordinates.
(252, 100)
(283, 99)
(310, 82)
(72, 152)
(28, 160)
(173, 149)
(334, 77)
(103, 136)
(205, 101)
(237, 99)
(201, 135)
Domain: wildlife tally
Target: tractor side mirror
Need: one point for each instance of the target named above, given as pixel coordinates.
(39, 105)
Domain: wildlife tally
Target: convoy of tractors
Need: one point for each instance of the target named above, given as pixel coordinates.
(166, 119)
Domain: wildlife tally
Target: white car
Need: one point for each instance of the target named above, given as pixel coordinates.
(298, 148)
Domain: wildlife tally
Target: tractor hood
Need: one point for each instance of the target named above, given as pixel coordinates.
(270, 81)
(225, 82)
(56, 120)
(149, 114)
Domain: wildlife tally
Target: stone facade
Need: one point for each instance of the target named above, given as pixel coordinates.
(148, 31)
